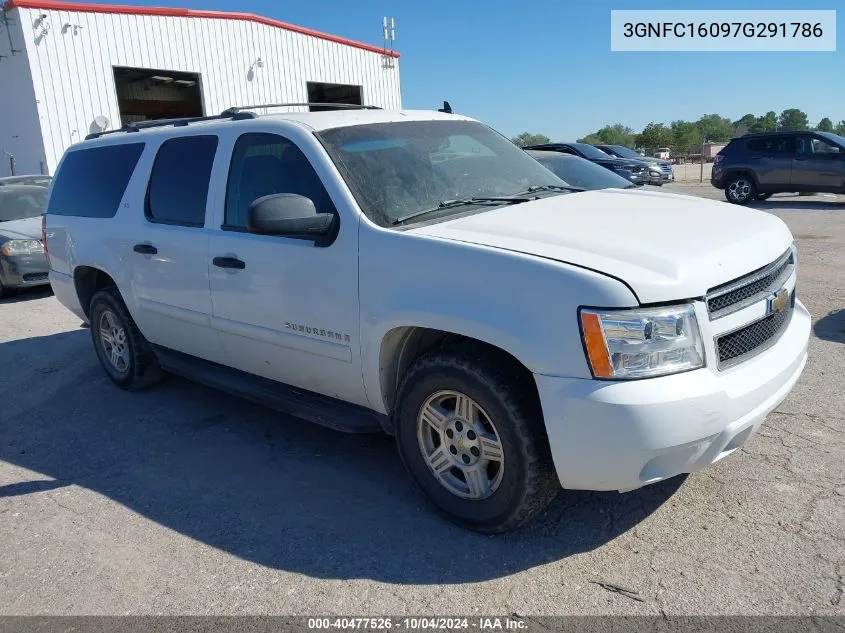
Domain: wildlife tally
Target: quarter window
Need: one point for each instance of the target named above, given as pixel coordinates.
(265, 164)
(179, 181)
(91, 182)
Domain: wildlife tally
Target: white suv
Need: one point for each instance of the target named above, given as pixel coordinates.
(417, 273)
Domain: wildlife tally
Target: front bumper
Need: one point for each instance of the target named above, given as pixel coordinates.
(640, 179)
(20, 271)
(621, 435)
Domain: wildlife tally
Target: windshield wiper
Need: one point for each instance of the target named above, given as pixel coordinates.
(461, 202)
(537, 188)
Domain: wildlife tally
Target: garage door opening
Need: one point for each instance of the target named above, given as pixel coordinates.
(332, 93)
(144, 94)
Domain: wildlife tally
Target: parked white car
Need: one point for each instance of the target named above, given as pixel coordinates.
(417, 273)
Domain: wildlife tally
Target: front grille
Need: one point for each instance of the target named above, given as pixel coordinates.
(735, 295)
(638, 169)
(666, 168)
(34, 276)
(748, 341)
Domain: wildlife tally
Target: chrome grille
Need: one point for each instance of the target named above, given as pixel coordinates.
(742, 292)
(754, 338)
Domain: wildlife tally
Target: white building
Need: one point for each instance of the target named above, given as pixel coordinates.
(68, 69)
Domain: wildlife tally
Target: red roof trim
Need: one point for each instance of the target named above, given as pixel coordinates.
(62, 5)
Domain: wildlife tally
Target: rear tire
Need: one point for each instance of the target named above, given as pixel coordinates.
(470, 431)
(124, 353)
(740, 190)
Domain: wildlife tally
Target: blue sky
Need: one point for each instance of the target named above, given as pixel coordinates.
(546, 66)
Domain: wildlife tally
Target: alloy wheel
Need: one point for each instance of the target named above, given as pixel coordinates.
(461, 445)
(113, 340)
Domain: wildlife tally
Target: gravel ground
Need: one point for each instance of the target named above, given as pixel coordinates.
(182, 500)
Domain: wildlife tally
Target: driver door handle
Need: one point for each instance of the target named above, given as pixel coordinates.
(145, 249)
(228, 262)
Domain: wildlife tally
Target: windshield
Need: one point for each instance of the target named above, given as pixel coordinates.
(18, 204)
(624, 152)
(581, 173)
(396, 170)
(839, 140)
(588, 151)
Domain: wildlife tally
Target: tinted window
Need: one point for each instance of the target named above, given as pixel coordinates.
(580, 172)
(17, 202)
(179, 180)
(264, 164)
(624, 152)
(91, 182)
(810, 145)
(588, 151)
(773, 145)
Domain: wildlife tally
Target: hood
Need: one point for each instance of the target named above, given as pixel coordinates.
(666, 247)
(26, 229)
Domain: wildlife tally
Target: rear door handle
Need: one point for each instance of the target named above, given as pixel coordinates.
(228, 262)
(145, 249)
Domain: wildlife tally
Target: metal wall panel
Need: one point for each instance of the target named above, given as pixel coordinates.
(72, 65)
(20, 130)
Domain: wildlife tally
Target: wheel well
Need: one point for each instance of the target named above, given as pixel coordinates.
(733, 173)
(403, 345)
(89, 280)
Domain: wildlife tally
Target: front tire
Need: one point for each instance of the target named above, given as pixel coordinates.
(470, 431)
(5, 292)
(740, 190)
(124, 353)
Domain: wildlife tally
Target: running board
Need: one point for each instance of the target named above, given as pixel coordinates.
(331, 412)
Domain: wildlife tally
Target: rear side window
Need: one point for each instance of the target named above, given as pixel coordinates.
(179, 180)
(773, 145)
(91, 182)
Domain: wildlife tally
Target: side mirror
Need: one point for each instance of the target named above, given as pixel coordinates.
(291, 215)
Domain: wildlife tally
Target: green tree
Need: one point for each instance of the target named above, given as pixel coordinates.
(840, 128)
(715, 128)
(654, 135)
(766, 123)
(744, 124)
(527, 138)
(793, 119)
(686, 137)
(825, 125)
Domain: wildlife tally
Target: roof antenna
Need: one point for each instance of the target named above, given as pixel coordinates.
(446, 108)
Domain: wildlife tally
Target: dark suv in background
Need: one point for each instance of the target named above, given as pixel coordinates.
(755, 166)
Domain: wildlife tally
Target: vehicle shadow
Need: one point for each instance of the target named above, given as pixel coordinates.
(262, 486)
(831, 327)
(798, 203)
(28, 294)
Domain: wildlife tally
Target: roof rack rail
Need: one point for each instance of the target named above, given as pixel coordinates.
(336, 106)
(181, 122)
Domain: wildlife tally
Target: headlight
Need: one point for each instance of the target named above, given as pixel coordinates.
(21, 247)
(642, 343)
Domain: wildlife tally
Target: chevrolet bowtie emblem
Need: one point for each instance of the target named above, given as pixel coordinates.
(778, 302)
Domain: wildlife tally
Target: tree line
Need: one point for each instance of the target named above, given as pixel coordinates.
(686, 137)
